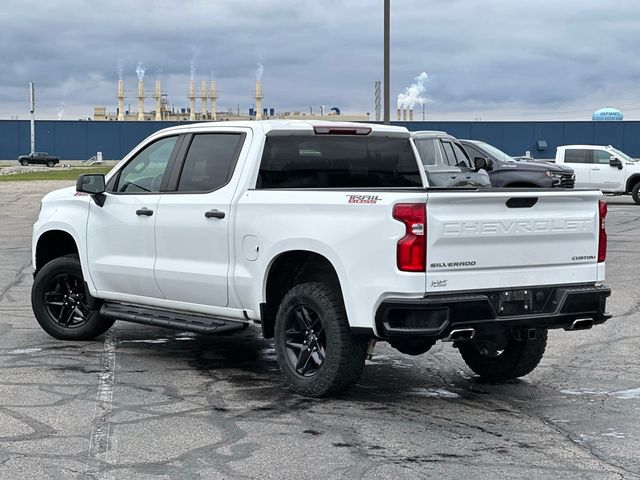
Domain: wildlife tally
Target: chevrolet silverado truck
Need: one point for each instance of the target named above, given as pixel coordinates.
(326, 235)
(39, 158)
(505, 171)
(602, 167)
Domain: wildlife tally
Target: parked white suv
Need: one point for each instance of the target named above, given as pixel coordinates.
(327, 236)
(603, 167)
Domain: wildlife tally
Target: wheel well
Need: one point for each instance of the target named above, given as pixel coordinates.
(632, 182)
(54, 244)
(521, 185)
(290, 269)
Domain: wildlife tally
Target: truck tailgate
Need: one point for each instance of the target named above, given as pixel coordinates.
(489, 239)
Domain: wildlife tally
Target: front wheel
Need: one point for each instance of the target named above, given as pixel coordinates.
(516, 359)
(61, 304)
(316, 352)
(635, 193)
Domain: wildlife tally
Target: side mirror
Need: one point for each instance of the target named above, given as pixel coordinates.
(94, 185)
(483, 163)
(615, 162)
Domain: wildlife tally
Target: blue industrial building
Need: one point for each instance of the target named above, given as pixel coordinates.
(80, 140)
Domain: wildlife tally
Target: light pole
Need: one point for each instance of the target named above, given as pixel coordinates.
(387, 98)
(32, 109)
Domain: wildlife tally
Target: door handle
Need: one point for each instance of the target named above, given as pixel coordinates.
(144, 211)
(214, 214)
(595, 168)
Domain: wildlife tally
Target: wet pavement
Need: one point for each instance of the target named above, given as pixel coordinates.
(145, 403)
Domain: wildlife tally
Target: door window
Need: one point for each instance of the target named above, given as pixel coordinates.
(210, 161)
(461, 156)
(429, 151)
(144, 173)
(601, 157)
(448, 153)
(577, 156)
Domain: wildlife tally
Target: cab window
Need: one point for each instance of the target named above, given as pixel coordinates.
(144, 173)
(601, 157)
(210, 161)
(579, 155)
(429, 151)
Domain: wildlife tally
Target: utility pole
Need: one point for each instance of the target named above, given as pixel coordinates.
(32, 109)
(387, 98)
(377, 99)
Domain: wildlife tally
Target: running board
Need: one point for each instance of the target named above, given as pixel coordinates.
(189, 322)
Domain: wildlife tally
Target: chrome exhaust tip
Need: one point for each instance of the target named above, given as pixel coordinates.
(460, 334)
(582, 324)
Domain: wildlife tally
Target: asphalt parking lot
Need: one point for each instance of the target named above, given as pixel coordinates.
(149, 403)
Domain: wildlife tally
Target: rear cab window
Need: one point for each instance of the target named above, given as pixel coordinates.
(578, 155)
(338, 161)
(210, 161)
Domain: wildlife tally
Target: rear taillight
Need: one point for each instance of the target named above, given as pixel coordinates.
(602, 237)
(412, 248)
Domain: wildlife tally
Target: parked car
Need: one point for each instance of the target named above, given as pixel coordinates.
(602, 167)
(446, 162)
(504, 171)
(39, 158)
(325, 235)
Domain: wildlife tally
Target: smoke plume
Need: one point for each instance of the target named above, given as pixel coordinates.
(413, 94)
(140, 71)
(120, 69)
(259, 71)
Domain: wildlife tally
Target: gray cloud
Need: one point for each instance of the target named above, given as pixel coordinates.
(493, 59)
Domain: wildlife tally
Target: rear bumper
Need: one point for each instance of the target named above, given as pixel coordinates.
(436, 316)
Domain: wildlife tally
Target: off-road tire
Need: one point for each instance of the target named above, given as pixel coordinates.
(518, 358)
(635, 193)
(51, 279)
(344, 354)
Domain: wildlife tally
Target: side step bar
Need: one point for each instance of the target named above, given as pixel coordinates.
(189, 322)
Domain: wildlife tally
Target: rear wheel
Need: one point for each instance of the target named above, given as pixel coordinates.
(635, 193)
(516, 359)
(61, 305)
(24, 163)
(316, 352)
(50, 163)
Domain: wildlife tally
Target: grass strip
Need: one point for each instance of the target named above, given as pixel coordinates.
(53, 174)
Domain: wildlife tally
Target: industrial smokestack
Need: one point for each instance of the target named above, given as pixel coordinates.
(204, 99)
(411, 115)
(120, 100)
(258, 100)
(158, 101)
(399, 115)
(404, 114)
(140, 100)
(192, 100)
(213, 96)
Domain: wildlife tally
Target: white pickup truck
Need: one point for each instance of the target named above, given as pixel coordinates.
(325, 234)
(602, 167)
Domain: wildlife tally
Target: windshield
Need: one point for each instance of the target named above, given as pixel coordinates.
(622, 155)
(496, 152)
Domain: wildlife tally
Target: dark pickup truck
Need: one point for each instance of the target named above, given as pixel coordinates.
(505, 171)
(39, 158)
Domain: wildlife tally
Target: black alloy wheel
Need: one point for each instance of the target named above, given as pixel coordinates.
(66, 300)
(315, 350)
(305, 340)
(61, 304)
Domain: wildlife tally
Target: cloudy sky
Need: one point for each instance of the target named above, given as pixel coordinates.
(489, 59)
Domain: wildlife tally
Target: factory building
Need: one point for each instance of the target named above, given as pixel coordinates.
(203, 106)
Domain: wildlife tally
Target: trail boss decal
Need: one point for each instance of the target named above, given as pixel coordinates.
(367, 199)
